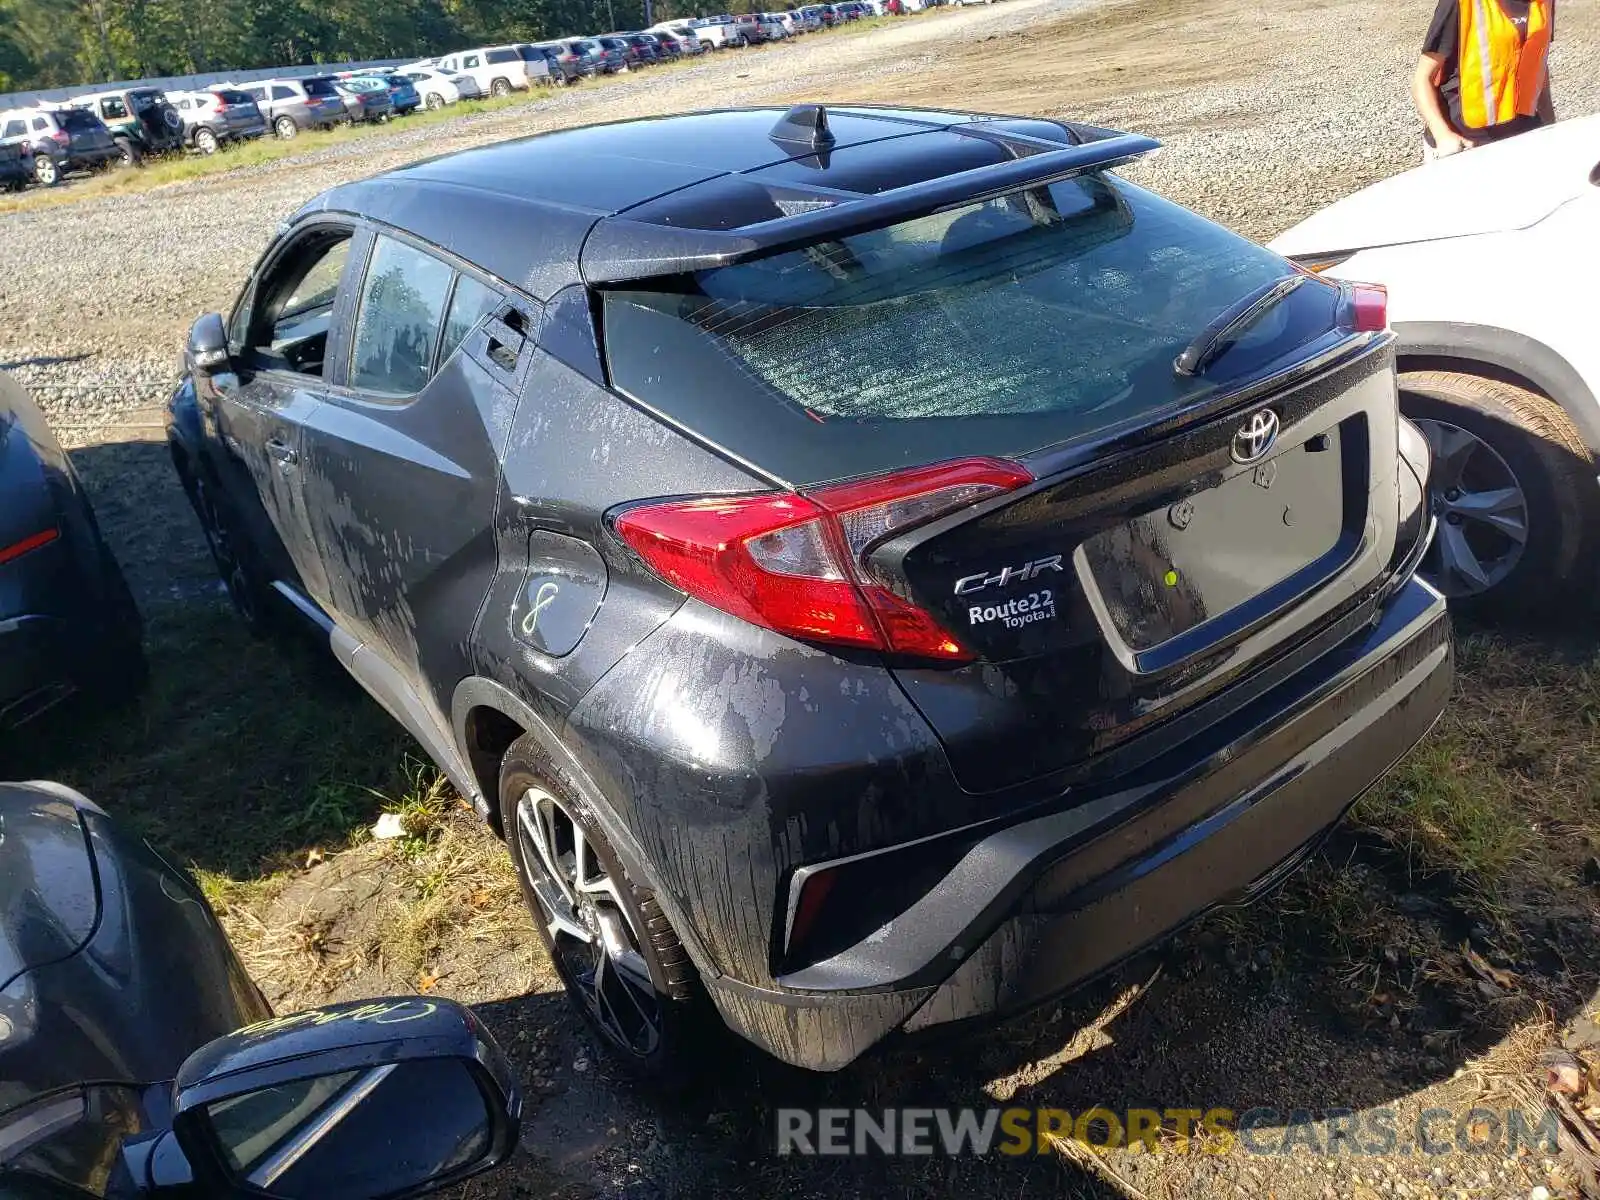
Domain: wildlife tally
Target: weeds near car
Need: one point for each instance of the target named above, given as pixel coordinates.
(242, 755)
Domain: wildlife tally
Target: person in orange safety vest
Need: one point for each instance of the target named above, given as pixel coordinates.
(1484, 72)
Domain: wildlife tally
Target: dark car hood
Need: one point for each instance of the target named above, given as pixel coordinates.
(49, 905)
(113, 968)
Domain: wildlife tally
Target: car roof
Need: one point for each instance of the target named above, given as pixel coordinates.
(649, 197)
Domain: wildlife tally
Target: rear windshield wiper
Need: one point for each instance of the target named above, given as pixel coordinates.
(1232, 322)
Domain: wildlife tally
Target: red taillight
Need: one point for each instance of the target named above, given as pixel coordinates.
(797, 563)
(61, 137)
(813, 895)
(17, 549)
(1367, 305)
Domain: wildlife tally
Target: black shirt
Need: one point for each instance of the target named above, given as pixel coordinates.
(1444, 37)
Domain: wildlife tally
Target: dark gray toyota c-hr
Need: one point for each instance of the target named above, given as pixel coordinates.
(878, 569)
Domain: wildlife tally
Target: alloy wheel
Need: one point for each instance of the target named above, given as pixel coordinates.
(45, 170)
(589, 926)
(285, 128)
(1481, 508)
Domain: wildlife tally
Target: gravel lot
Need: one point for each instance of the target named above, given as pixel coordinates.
(1267, 112)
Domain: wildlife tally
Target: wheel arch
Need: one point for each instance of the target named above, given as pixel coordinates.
(1501, 354)
(487, 718)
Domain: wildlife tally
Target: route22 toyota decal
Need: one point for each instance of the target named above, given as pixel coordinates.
(1024, 610)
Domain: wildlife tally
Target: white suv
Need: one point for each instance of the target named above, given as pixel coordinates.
(1490, 258)
(499, 70)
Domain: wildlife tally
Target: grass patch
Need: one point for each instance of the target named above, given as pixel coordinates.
(462, 888)
(1449, 813)
(1504, 794)
(243, 755)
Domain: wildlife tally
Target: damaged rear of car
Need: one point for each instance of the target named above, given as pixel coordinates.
(1110, 516)
(877, 568)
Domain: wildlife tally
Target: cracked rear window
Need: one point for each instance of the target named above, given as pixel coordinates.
(995, 328)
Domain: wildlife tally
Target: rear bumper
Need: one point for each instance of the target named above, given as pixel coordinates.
(34, 674)
(1034, 909)
(76, 157)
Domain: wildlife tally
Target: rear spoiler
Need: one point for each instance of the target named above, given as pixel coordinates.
(620, 249)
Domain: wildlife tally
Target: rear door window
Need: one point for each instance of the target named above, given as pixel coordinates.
(282, 93)
(471, 303)
(997, 328)
(112, 108)
(398, 322)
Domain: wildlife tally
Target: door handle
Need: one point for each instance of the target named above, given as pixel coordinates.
(283, 452)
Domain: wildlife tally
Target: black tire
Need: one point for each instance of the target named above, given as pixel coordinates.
(132, 155)
(206, 141)
(124, 670)
(499, 87)
(285, 128)
(686, 1020)
(248, 588)
(1536, 441)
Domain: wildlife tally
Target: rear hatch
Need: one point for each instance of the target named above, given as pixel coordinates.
(324, 101)
(162, 125)
(240, 111)
(87, 132)
(1181, 530)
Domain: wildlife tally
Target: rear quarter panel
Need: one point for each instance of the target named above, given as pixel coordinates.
(574, 452)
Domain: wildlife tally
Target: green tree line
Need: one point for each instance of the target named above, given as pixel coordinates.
(54, 43)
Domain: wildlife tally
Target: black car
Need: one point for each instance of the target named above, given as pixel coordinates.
(620, 51)
(877, 569)
(68, 622)
(139, 1060)
(16, 164)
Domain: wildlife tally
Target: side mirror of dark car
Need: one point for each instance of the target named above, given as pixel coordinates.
(207, 350)
(373, 1100)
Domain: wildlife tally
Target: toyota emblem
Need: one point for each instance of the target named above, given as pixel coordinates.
(1255, 437)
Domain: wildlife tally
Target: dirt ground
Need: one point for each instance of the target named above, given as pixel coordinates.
(1431, 953)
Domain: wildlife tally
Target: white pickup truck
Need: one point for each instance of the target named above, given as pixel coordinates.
(713, 33)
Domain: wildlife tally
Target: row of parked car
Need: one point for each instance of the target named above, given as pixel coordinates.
(42, 144)
(127, 125)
